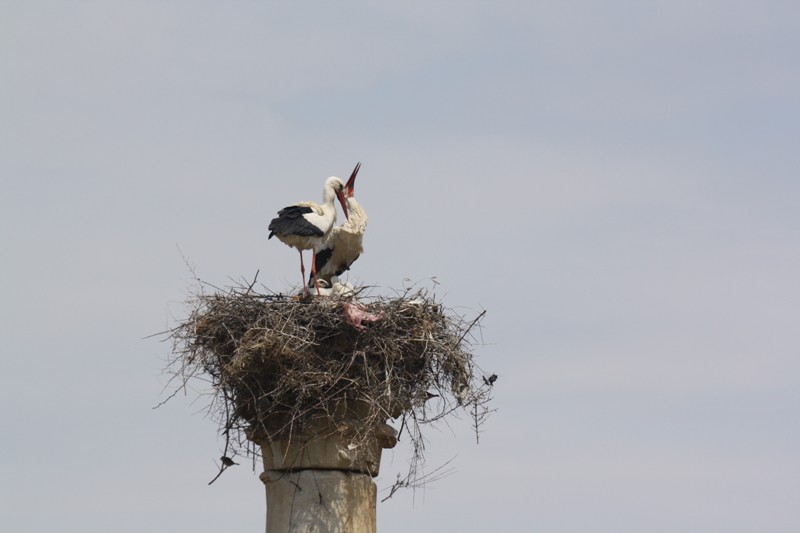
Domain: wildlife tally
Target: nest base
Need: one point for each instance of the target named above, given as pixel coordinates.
(313, 382)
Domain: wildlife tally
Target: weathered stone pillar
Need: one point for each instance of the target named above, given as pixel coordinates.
(321, 480)
(320, 501)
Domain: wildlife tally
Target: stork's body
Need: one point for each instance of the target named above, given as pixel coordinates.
(306, 225)
(344, 244)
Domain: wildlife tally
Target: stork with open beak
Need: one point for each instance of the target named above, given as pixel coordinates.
(344, 244)
(306, 225)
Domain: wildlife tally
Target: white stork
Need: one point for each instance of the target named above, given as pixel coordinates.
(343, 245)
(306, 225)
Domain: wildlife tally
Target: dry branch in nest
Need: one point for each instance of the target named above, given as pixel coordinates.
(276, 364)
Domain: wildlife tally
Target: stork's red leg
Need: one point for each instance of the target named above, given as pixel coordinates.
(303, 274)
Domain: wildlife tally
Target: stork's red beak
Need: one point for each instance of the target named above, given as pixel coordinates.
(350, 187)
(340, 196)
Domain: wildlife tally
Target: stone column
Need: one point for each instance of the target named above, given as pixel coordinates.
(321, 481)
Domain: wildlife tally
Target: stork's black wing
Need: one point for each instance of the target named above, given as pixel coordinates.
(290, 221)
(322, 257)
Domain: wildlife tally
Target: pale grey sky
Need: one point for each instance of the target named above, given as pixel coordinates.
(616, 183)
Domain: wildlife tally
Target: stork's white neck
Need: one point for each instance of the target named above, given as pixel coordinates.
(329, 190)
(358, 217)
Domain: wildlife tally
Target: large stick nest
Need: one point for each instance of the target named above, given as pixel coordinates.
(276, 362)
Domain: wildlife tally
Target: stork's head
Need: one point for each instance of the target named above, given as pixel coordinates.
(338, 187)
(350, 188)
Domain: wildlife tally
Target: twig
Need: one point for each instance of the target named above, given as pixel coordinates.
(472, 324)
(168, 398)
